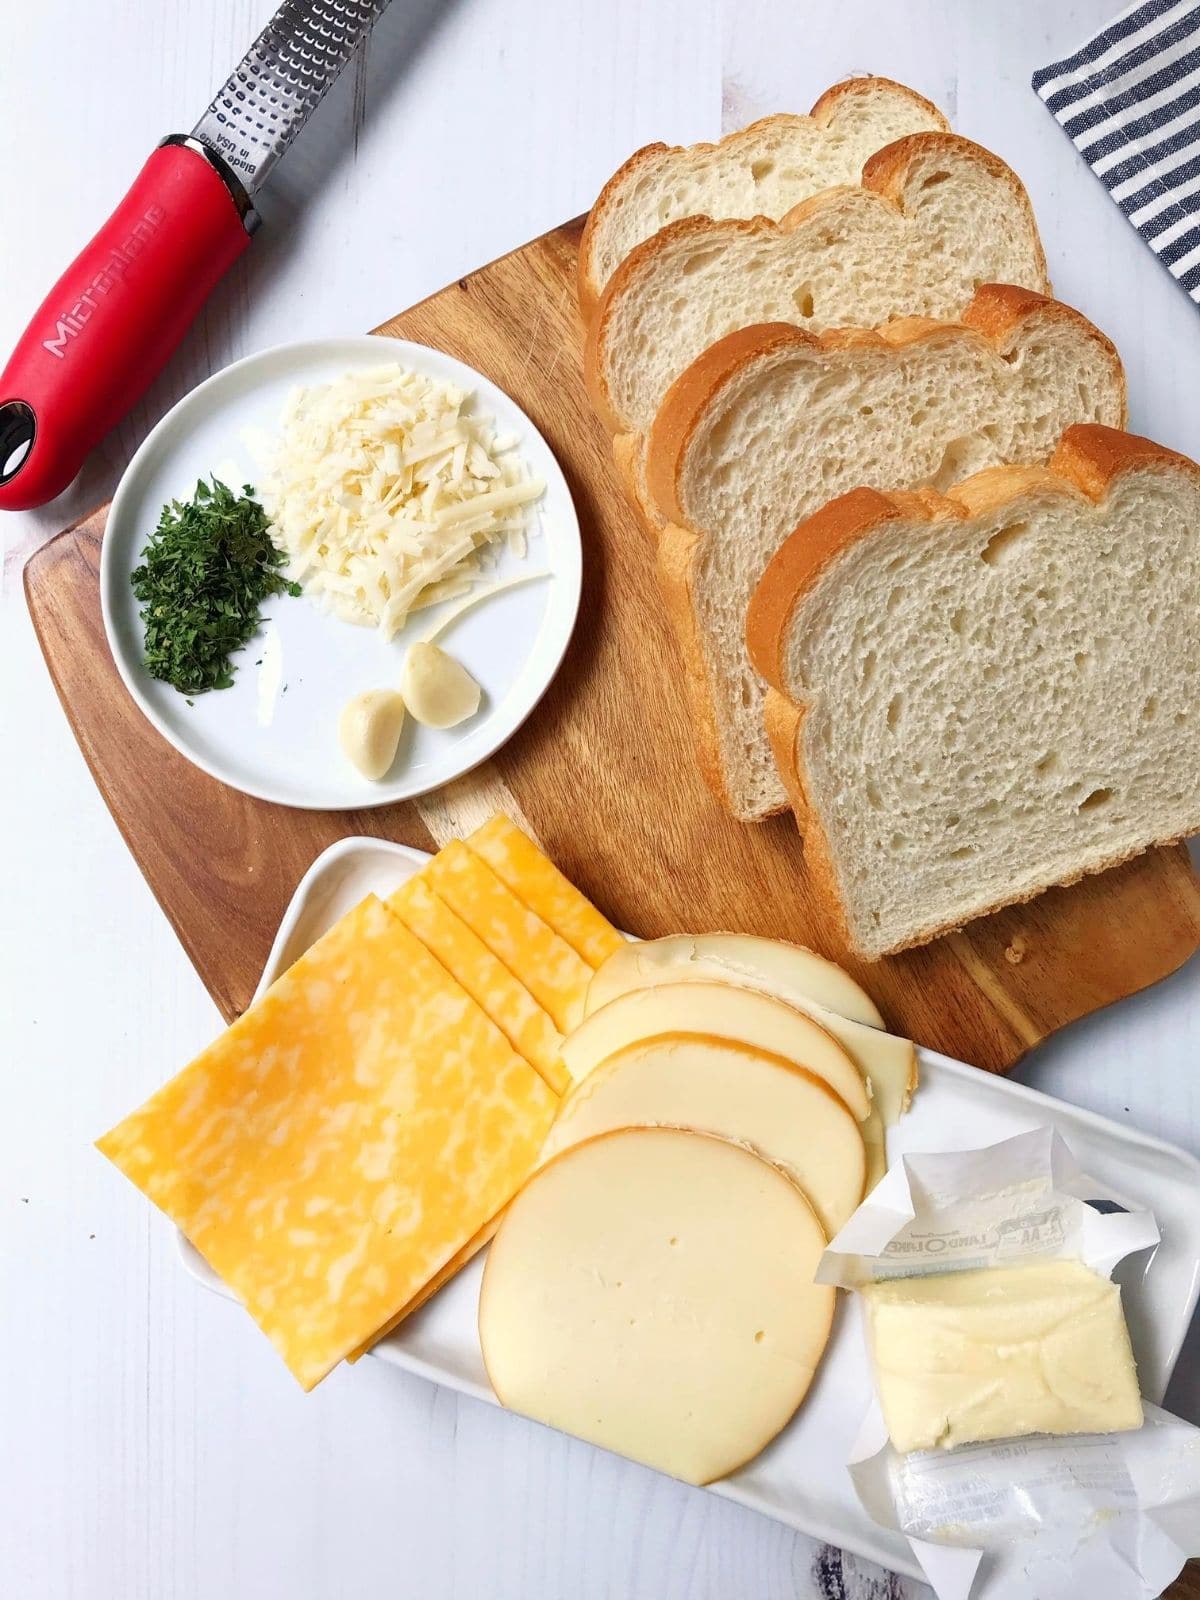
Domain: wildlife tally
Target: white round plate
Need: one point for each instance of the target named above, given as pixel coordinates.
(283, 745)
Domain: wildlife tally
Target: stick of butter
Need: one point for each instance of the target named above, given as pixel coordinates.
(997, 1352)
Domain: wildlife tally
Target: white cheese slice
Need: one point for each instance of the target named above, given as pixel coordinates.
(474, 597)
(651, 1291)
(874, 1138)
(887, 1062)
(720, 1011)
(713, 1086)
(789, 970)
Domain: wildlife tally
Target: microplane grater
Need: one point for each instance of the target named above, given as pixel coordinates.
(115, 315)
(270, 96)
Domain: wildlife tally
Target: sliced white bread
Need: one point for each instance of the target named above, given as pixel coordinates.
(934, 217)
(763, 170)
(975, 697)
(771, 423)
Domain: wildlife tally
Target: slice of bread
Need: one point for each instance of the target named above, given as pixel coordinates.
(763, 170)
(935, 217)
(975, 697)
(771, 423)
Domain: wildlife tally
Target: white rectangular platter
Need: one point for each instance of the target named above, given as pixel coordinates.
(800, 1479)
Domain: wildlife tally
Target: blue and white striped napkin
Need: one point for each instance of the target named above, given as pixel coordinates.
(1130, 101)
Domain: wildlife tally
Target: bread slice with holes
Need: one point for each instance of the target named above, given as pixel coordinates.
(979, 695)
(772, 422)
(935, 217)
(763, 170)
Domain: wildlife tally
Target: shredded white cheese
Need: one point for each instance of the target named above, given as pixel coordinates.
(452, 616)
(388, 492)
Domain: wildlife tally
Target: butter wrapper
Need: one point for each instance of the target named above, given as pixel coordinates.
(1113, 1516)
(1007, 1203)
(1106, 1514)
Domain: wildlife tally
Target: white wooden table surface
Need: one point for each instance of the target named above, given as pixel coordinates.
(151, 1445)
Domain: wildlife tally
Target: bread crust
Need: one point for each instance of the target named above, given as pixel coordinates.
(1088, 460)
(799, 562)
(997, 312)
(822, 113)
(676, 568)
(693, 391)
(884, 177)
(782, 719)
(887, 172)
(818, 862)
(627, 456)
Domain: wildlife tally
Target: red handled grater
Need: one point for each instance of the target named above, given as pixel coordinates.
(113, 319)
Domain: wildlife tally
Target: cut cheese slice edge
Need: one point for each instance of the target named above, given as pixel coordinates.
(527, 1027)
(713, 1086)
(722, 1011)
(874, 1138)
(556, 976)
(534, 879)
(440, 1279)
(886, 1061)
(304, 1153)
(787, 970)
(651, 1291)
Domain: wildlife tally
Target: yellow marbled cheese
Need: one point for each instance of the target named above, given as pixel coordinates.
(535, 880)
(331, 1152)
(439, 1280)
(527, 1027)
(556, 976)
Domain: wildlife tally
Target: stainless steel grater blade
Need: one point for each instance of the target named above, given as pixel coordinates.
(255, 115)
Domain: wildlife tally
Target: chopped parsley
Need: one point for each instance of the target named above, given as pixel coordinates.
(207, 568)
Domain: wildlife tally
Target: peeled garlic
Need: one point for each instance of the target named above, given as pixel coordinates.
(369, 730)
(437, 689)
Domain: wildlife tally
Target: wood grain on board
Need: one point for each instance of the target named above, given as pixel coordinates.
(602, 772)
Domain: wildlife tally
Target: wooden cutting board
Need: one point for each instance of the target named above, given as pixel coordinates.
(603, 771)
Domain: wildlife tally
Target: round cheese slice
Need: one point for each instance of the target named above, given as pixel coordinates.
(737, 1092)
(787, 970)
(724, 1011)
(886, 1061)
(651, 1291)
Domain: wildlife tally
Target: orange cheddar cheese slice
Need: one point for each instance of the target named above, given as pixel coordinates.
(337, 1146)
(556, 976)
(525, 1025)
(535, 880)
(439, 1280)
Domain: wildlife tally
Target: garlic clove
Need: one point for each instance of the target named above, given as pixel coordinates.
(437, 689)
(369, 730)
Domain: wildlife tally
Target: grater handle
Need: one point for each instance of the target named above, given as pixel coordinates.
(112, 320)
